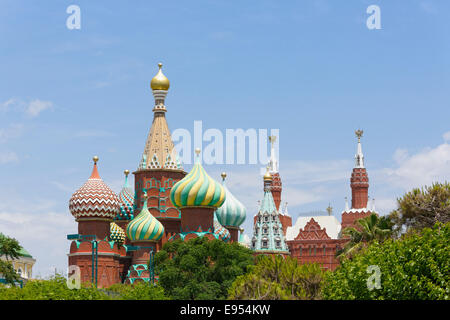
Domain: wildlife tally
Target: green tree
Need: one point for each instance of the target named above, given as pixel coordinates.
(417, 266)
(371, 228)
(10, 250)
(200, 268)
(422, 208)
(279, 278)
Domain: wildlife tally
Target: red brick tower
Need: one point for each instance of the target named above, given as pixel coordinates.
(359, 183)
(94, 206)
(160, 167)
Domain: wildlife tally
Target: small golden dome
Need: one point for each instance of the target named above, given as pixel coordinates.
(126, 172)
(267, 176)
(160, 81)
(95, 158)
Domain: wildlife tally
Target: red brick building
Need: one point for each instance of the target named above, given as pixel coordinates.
(317, 238)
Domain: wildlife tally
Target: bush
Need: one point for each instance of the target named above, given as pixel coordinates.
(417, 266)
(138, 291)
(52, 289)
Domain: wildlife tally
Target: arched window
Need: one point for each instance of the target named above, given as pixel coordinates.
(265, 242)
(278, 242)
(300, 250)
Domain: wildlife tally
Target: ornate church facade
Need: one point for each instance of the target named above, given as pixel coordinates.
(118, 234)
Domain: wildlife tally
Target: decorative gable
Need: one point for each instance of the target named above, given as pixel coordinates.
(312, 231)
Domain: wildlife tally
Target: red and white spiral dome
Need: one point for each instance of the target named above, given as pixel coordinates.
(94, 199)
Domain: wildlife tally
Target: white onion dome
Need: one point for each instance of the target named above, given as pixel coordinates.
(94, 199)
(232, 213)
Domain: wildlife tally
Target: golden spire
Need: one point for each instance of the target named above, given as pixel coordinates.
(126, 172)
(223, 175)
(95, 158)
(160, 81)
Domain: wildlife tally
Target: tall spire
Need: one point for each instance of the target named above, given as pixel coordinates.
(359, 157)
(359, 181)
(273, 163)
(159, 152)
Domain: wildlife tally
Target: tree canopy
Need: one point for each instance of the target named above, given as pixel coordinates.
(417, 266)
(422, 208)
(10, 250)
(368, 229)
(201, 268)
(278, 278)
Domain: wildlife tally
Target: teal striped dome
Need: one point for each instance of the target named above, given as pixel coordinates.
(232, 213)
(145, 227)
(197, 189)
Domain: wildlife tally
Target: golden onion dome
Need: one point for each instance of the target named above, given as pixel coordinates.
(267, 176)
(160, 81)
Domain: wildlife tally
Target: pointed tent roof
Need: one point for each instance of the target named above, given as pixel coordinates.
(359, 157)
(159, 151)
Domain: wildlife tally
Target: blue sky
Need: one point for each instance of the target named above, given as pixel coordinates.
(311, 69)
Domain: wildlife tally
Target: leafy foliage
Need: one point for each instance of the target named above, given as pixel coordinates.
(138, 291)
(278, 278)
(368, 229)
(417, 266)
(201, 269)
(9, 248)
(52, 289)
(422, 208)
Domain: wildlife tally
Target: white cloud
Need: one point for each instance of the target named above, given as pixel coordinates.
(8, 156)
(40, 229)
(4, 106)
(32, 108)
(36, 106)
(12, 132)
(446, 136)
(423, 168)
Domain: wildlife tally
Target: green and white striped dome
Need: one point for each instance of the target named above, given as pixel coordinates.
(145, 227)
(197, 189)
(232, 213)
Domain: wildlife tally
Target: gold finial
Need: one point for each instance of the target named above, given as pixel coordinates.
(267, 176)
(223, 175)
(127, 172)
(197, 151)
(359, 134)
(95, 158)
(144, 195)
(160, 81)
